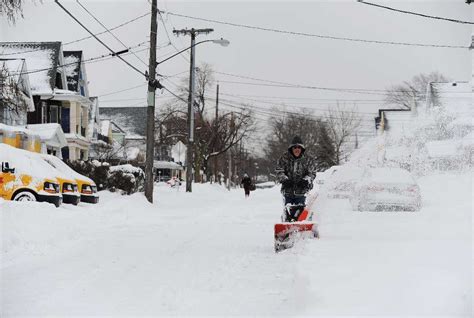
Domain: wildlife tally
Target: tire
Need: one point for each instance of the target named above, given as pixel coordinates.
(25, 196)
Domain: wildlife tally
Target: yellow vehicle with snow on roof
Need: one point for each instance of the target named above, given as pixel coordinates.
(87, 187)
(24, 176)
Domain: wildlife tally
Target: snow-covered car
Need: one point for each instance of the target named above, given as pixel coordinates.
(24, 176)
(386, 189)
(87, 187)
(323, 175)
(341, 183)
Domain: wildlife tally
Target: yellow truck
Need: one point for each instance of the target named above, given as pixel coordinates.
(87, 187)
(24, 176)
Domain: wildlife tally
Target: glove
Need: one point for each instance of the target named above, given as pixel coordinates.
(305, 183)
(283, 178)
(285, 181)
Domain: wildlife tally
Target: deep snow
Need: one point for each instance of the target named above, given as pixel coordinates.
(210, 252)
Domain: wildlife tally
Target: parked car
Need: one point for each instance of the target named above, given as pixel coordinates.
(341, 183)
(68, 188)
(87, 187)
(26, 177)
(386, 189)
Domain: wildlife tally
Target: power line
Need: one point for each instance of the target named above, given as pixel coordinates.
(107, 30)
(298, 85)
(168, 35)
(415, 13)
(123, 90)
(90, 60)
(75, 19)
(88, 37)
(318, 35)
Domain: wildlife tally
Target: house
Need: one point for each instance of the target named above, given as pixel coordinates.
(52, 138)
(128, 129)
(455, 97)
(393, 118)
(166, 170)
(15, 95)
(59, 88)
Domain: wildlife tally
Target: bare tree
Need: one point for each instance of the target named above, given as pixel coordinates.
(12, 98)
(283, 128)
(341, 124)
(213, 136)
(103, 151)
(410, 92)
(12, 9)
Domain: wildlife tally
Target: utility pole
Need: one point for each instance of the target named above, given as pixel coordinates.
(189, 154)
(216, 129)
(229, 177)
(150, 122)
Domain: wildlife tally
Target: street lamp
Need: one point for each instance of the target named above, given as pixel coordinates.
(189, 155)
(223, 42)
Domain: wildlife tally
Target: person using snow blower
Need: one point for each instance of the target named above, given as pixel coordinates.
(296, 172)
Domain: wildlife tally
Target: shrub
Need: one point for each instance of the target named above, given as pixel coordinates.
(126, 178)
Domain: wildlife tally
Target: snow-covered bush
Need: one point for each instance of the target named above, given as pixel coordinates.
(127, 178)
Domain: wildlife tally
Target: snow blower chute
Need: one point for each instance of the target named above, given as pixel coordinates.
(299, 225)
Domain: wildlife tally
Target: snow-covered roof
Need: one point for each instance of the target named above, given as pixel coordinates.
(42, 58)
(456, 97)
(132, 120)
(159, 164)
(8, 128)
(51, 134)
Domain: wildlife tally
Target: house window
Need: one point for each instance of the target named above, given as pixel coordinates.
(83, 93)
(53, 114)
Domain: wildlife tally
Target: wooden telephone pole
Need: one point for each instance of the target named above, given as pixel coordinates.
(150, 122)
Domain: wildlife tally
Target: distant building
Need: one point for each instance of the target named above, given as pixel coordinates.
(128, 129)
(393, 118)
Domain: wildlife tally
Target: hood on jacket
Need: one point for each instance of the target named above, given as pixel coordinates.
(296, 141)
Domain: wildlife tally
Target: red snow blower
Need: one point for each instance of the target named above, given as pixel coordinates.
(298, 226)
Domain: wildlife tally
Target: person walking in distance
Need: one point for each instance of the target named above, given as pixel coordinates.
(246, 183)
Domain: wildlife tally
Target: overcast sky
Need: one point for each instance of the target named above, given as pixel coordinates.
(279, 57)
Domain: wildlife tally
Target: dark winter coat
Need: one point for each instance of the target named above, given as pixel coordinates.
(246, 182)
(295, 174)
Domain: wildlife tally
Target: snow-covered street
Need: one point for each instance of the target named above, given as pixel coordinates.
(210, 252)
